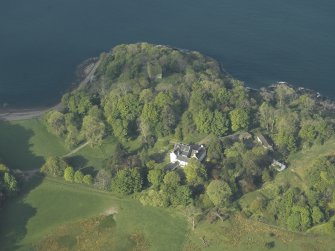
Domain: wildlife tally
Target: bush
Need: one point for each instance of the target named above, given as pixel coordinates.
(69, 174)
(127, 181)
(54, 166)
(88, 180)
(78, 177)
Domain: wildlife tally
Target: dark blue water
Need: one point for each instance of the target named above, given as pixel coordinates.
(258, 41)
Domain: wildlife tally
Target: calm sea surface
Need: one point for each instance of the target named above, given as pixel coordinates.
(258, 41)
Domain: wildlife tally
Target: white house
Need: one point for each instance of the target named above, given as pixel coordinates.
(182, 153)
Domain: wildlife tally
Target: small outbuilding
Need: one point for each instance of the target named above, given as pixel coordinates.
(262, 140)
(279, 166)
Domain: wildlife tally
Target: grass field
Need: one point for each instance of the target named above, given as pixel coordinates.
(24, 144)
(241, 234)
(54, 203)
(51, 214)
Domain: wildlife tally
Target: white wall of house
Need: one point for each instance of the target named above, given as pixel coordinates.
(173, 157)
(182, 163)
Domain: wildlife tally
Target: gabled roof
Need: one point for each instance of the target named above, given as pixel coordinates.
(185, 152)
(263, 140)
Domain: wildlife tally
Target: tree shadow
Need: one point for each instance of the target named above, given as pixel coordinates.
(77, 161)
(89, 170)
(158, 157)
(15, 152)
(15, 147)
(15, 215)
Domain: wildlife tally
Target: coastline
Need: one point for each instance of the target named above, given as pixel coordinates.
(22, 114)
(85, 73)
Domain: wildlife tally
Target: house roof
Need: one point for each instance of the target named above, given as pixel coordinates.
(263, 140)
(182, 149)
(183, 158)
(185, 152)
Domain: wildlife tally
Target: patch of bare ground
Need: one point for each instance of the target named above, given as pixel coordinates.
(141, 244)
(110, 211)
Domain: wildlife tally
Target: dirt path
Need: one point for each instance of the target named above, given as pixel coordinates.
(27, 114)
(89, 76)
(77, 149)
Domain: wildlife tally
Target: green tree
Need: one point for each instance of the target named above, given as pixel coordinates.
(154, 198)
(88, 180)
(215, 149)
(72, 137)
(306, 103)
(239, 119)
(181, 196)
(10, 182)
(317, 215)
(284, 94)
(54, 166)
(103, 179)
(293, 221)
(203, 121)
(172, 179)
(219, 192)
(69, 174)
(267, 116)
(195, 172)
(155, 177)
(93, 130)
(77, 102)
(187, 124)
(127, 181)
(149, 119)
(219, 124)
(56, 122)
(287, 129)
(3, 168)
(78, 177)
(308, 132)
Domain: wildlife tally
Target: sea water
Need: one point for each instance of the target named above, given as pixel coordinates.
(258, 41)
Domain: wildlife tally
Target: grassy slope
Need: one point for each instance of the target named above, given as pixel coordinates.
(299, 165)
(240, 234)
(51, 203)
(24, 144)
(54, 203)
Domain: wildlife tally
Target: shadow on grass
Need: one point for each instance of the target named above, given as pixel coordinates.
(79, 162)
(14, 217)
(15, 147)
(15, 152)
(76, 161)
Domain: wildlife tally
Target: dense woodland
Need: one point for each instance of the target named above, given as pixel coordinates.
(142, 94)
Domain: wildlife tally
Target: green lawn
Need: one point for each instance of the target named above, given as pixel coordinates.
(95, 158)
(24, 144)
(53, 203)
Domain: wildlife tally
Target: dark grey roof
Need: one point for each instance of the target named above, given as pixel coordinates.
(185, 152)
(183, 158)
(201, 153)
(181, 149)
